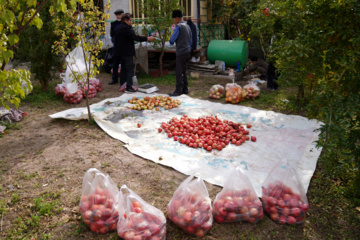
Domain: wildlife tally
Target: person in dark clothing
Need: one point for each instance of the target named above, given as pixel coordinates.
(182, 37)
(118, 13)
(271, 77)
(193, 34)
(124, 49)
(116, 61)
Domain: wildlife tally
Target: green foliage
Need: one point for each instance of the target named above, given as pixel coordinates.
(317, 48)
(14, 84)
(86, 28)
(15, 17)
(159, 13)
(235, 15)
(35, 45)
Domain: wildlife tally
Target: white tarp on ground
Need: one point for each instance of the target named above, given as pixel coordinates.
(279, 137)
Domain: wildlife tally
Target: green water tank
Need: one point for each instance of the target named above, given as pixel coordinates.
(229, 51)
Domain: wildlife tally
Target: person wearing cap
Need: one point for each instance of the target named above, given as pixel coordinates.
(182, 37)
(124, 49)
(118, 13)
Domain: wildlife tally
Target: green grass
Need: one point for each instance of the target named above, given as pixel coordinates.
(164, 80)
(40, 99)
(169, 79)
(278, 101)
(9, 127)
(28, 224)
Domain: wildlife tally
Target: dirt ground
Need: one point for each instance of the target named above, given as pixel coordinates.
(52, 155)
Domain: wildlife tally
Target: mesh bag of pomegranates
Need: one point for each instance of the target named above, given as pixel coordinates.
(283, 195)
(90, 88)
(96, 83)
(190, 207)
(217, 91)
(252, 90)
(73, 93)
(97, 205)
(60, 89)
(237, 201)
(123, 87)
(229, 86)
(234, 94)
(138, 219)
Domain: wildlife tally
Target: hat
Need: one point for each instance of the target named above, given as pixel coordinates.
(177, 13)
(119, 11)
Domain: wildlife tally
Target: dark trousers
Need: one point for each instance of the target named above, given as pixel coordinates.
(116, 62)
(180, 72)
(272, 76)
(127, 71)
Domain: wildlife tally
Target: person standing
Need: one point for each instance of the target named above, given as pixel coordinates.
(116, 61)
(124, 49)
(271, 77)
(182, 37)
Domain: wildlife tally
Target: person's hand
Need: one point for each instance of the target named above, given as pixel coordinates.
(151, 39)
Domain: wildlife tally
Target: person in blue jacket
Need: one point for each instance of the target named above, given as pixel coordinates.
(124, 49)
(182, 37)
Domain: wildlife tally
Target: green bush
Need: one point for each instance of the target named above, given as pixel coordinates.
(317, 49)
(35, 46)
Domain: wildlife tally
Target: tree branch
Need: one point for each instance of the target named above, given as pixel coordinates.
(32, 17)
(15, 5)
(22, 19)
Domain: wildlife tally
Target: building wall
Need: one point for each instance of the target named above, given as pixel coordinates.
(203, 11)
(124, 5)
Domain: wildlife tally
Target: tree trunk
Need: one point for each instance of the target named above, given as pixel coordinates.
(44, 85)
(160, 62)
(301, 92)
(87, 97)
(161, 57)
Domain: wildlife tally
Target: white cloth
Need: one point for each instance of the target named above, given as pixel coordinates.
(279, 137)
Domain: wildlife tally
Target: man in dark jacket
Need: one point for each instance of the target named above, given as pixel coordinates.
(125, 49)
(118, 13)
(116, 61)
(182, 37)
